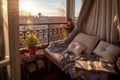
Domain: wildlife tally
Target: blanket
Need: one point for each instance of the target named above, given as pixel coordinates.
(68, 63)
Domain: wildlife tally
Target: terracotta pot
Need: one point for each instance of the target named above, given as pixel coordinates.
(32, 51)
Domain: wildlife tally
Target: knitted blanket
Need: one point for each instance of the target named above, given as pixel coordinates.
(68, 63)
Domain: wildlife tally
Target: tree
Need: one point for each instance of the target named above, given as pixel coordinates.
(39, 14)
(61, 12)
(61, 9)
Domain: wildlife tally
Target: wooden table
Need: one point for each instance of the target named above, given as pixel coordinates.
(32, 63)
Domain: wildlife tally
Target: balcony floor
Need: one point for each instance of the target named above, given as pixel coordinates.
(54, 74)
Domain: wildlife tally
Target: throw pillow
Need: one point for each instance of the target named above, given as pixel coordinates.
(107, 50)
(76, 48)
(87, 40)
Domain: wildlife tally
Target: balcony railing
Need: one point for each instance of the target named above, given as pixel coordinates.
(46, 32)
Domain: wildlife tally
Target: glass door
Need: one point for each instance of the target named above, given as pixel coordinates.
(9, 47)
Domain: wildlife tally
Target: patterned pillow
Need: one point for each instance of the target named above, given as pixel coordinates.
(76, 48)
(87, 40)
(107, 50)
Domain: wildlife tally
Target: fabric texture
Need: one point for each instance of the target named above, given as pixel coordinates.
(107, 50)
(87, 40)
(67, 61)
(76, 48)
(97, 18)
(68, 65)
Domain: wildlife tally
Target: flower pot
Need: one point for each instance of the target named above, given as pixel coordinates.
(32, 51)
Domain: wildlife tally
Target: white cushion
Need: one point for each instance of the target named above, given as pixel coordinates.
(76, 48)
(87, 40)
(107, 50)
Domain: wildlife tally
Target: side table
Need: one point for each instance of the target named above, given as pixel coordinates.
(32, 63)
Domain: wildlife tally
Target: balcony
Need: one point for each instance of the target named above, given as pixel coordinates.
(11, 35)
(46, 32)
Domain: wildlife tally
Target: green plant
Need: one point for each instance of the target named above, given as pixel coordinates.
(32, 40)
(65, 33)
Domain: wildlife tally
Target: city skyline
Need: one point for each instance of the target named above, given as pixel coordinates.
(47, 7)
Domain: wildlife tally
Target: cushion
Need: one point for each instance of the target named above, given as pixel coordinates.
(87, 40)
(76, 48)
(107, 50)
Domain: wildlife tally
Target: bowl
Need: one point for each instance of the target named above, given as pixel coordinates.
(104, 61)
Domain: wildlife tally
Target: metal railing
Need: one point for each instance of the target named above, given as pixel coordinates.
(47, 32)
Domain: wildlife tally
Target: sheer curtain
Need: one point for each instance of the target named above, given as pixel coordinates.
(3, 70)
(1, 33)
(117, 9)
(86, 6)
(97, 18)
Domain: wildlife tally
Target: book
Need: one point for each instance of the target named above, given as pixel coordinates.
(94, 66)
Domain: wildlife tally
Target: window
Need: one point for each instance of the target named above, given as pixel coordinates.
(78, 4)
(44, 14)
(9, 48)
(42, 11)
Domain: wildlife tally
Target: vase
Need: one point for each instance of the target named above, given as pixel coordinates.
(32, 51)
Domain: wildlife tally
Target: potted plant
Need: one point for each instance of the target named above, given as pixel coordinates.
(31, 42)
(65, 33)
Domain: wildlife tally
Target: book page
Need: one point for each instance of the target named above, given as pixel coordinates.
(94, 66)
(81, 64)
(84, 65)
(107, 68)
(90, 65)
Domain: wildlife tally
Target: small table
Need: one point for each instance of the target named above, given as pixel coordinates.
(32, 63)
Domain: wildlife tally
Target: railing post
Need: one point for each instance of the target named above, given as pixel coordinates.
(43, 36)
(37, 33)
(48, 34)
(24, 34)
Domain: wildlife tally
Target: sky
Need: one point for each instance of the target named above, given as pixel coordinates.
(46, 7)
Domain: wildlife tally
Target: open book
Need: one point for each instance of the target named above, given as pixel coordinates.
(94, 66)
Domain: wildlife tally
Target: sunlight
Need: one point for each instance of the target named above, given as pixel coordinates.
(28, 6)
(45, 7)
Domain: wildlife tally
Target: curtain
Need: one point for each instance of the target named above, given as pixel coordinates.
(117, 9)
(86, 7)
(3, 70)
(70, 8)
(97, 18)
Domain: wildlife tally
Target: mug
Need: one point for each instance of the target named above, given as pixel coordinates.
(104, 61)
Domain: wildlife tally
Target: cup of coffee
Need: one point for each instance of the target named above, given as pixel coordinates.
(104, 61)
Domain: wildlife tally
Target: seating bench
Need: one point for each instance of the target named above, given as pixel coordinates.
(82, 44)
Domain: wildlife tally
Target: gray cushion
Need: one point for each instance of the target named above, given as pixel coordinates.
(107, 50)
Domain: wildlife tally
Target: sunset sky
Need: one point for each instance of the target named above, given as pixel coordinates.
(46, 7)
